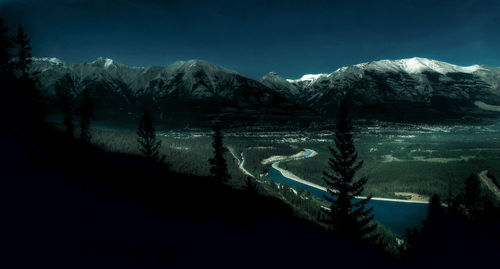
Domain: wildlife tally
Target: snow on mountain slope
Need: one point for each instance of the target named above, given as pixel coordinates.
(281, 85)
(308, 77)
(417, 65)
(413, 65)
(417, 84)
(51, 60)
(105, 62)
(430, 85)
(190, 86)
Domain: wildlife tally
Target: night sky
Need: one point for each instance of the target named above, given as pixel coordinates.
(254, 37)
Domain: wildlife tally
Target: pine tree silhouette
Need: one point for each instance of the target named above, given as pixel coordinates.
(218, 169)
(27, 82)
(433, 225)
(435, 210)
(347, 216)
(426, 243)
(23, 60)
(149, 146)
(86, 115)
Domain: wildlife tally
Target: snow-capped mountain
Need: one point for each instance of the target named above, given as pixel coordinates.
(281, 85)
(386, 88)
(191, 88)
(415, 85)
(306, 78)
(417, 65)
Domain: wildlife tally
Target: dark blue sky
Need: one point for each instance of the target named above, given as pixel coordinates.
(254, 37)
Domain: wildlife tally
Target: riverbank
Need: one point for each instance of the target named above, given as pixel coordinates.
(413, 196)
(241, 162)
(483, 176)
(308, 153)
(291, 176)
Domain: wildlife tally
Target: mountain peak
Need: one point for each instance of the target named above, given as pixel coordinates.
(272, 78)
(272, 75)
(193, 63)
(307, 77)
(51, 60)
(416, 65)
(196, 84)
(105, 62)
(196, 65)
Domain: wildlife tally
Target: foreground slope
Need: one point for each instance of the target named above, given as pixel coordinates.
(78, 206)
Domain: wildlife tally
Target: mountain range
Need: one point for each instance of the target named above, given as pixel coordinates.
(198, 91)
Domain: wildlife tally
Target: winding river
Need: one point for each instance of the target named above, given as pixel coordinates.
(397, 215)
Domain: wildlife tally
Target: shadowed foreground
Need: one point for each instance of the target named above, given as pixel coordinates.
(71, 204)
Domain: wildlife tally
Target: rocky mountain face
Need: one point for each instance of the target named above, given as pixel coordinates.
(407, 89)
(190, 91)
(411, 89)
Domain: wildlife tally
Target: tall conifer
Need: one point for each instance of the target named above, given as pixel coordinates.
(23, 60)
(218, 169)
(148, 144)
(347, 215)
(27, 82)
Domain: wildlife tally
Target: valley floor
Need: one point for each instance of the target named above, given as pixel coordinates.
(424, 160)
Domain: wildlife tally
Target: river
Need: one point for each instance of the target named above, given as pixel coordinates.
(394, 215)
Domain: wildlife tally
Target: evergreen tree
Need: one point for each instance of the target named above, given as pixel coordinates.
(23, 60)
(86, 115)
(27, 82)
(251, 185)
(66, 102)
(428, 242)
(148, 144)
(435, 216)
(218, 169)
(346, 216)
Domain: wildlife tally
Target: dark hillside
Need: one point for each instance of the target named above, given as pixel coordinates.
(71, 204)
